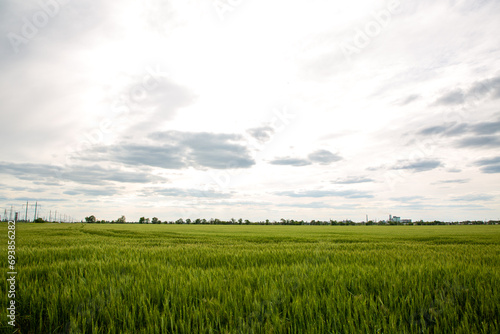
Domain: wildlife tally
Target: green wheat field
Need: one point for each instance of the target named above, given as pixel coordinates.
(124, 278)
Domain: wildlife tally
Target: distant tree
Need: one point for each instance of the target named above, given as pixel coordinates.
(188, 221)
(121, 220)
(39, 220)
(179, 221)
(155, 220)
(90, 219)
(143, 220)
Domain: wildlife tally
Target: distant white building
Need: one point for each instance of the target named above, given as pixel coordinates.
(397, 219)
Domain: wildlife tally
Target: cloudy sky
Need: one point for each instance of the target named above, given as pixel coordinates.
(254, 109)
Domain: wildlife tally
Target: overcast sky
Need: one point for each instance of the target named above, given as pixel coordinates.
(254, 109)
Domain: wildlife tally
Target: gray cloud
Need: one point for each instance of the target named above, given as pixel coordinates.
(482, 141)
(312, 205)
(454, 170)
(472, 198)
(33, 199)
(454, 129)
(153, 99)
(452, 181)
(426, 206)
(29, 189)
(491, 169)
(47, 183)
(29, 171)
(433, 130)
(190, 192)
(203, 149)
(290, 161)
(94, 175)
(164, 156)
(406, 199)
(488, 161)
(326, 193)
(178, 150)
(454, 97)
(233, 203)
(481, 89)
(352, 180)
(486, 128)
(409, 99)
(481, 134)
(67, 20)
(105, 191)
(448, 130)
(419, 166)
(489, 165)
(489, 86)
(323, 157)
(262, 134)
(485, 88)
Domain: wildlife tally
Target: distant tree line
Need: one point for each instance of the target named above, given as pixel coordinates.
(93, 219)
(233, 221)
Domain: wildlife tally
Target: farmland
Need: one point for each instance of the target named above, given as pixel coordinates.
(124, 278)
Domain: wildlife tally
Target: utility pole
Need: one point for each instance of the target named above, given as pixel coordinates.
(36, 205)
(10, 214)
(50, 215)
(26, 216)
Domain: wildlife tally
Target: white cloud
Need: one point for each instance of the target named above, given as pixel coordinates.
(418, 99)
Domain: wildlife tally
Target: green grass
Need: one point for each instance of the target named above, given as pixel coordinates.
(76, 278)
